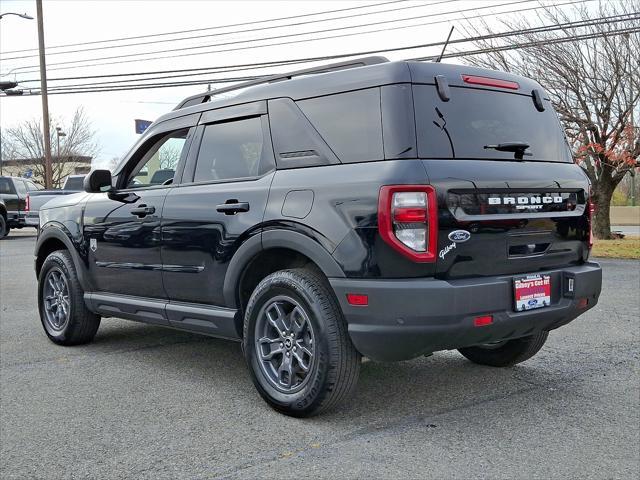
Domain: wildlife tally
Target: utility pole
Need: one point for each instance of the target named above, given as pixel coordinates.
(48, 176)
(632, 171)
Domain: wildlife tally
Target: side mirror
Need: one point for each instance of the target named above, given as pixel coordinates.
(97, 181)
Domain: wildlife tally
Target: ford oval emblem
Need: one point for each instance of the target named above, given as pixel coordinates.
(459, 236)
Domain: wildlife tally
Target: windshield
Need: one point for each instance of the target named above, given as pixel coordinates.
(485, 124)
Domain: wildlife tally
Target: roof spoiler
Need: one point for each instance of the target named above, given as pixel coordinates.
(355, 63)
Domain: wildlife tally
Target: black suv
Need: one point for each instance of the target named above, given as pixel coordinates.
(385, 209)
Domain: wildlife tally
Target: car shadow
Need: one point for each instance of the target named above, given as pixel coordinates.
(413, 390)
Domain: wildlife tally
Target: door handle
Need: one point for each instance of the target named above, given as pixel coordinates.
(143, 211)
(231, 207)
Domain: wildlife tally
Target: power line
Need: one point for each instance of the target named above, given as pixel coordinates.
(75, 62)
(574, 38)
(237, 42)
(255, 22)
(544, 28)
(275, 62)
(361, 14)
(451, 55)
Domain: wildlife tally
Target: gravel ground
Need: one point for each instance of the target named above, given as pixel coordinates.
(148, 402)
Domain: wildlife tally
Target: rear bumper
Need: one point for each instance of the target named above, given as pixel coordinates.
(406, 318)
(32, 219)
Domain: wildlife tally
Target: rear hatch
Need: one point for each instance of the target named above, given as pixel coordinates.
(510, 198)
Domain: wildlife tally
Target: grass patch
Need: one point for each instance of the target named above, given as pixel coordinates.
(628, 247)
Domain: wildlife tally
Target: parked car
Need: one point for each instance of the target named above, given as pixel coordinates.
(384, 209)
(14, 203)
(72, 184)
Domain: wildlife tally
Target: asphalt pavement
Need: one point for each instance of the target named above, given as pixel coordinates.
(147, 402)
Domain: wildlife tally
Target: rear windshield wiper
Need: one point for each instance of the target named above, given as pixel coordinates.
(518, 148)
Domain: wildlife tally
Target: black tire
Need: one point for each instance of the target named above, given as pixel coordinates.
(333, 368)
(507, 354)
(79, 325)
(4, 228)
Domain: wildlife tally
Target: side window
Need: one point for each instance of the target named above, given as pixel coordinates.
(231, 150)
(350, 123)
(159, 163)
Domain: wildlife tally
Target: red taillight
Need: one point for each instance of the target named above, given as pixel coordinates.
(27, 203)
(490, 82)
(583, 302)
(358, 299)
(409, 215)
(483, 320)
(408, 220)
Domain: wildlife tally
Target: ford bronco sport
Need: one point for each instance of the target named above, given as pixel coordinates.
(376, 208)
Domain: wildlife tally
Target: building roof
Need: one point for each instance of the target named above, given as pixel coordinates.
(14, 162)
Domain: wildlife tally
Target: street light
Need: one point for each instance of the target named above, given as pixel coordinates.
(7, 86)
(59, 133)
(21, 15)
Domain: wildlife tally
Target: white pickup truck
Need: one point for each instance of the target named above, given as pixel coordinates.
(72, 184)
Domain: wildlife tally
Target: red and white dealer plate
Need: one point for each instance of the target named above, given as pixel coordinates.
(532, 291)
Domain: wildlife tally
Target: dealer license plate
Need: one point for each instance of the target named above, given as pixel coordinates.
(533, 291)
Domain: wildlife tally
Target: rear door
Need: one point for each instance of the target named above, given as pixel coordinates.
(510, 198)
(219, 204)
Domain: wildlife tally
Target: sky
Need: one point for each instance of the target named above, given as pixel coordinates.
(112, 114)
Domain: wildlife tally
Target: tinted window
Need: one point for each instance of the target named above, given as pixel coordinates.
(6, 186)
(159, 163)
(350, 123)
(473, 118)
(232, 150)
(74, 183)
(22, 190)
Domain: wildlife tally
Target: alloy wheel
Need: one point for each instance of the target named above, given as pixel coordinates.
(285, 343)
(55, 297)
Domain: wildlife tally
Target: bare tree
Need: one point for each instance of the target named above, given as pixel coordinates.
(24, 142)
(168, 157)
(594, 83)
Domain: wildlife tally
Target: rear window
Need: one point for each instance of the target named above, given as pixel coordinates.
(73, 183)
(22, 190)
(475, 118)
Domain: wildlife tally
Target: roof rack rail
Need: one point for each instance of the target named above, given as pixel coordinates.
(358, 62)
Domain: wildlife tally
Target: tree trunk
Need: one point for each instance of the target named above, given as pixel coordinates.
(602, 222)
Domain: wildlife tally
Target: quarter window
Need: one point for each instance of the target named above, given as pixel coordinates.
(232, 150)
(350, 123)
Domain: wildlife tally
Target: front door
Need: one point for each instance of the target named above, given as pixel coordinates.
(122, 228)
